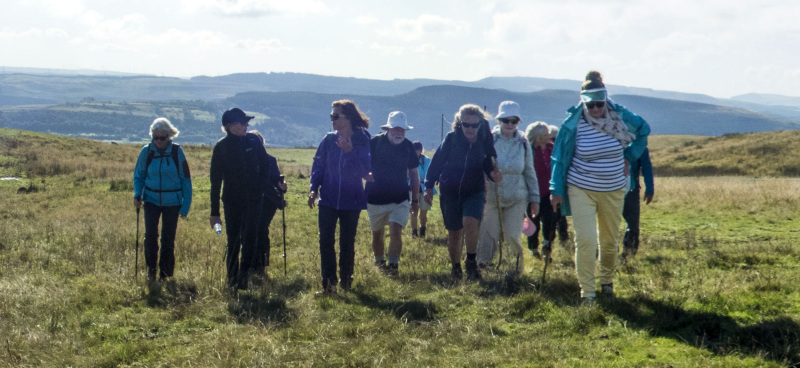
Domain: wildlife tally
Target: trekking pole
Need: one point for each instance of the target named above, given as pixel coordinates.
(283, 220)
(499, 217)
(136, 264)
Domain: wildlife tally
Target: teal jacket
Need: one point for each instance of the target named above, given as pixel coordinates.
(564, 147)
(163, 185)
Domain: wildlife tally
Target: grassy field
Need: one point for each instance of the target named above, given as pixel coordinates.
(716, 283)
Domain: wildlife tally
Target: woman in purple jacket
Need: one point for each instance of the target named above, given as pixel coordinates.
(341, 161)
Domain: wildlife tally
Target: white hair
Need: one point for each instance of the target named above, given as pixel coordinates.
(535, 130)
(163, 125)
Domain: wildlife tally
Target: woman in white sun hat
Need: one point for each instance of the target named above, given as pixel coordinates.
(507, 200)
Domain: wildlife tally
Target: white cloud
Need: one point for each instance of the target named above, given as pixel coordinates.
(425, 26)
(64, 8)
(387, 49)
(486, 54)
(55, 33)
(255, 8)
(200, 40)
(366, 20)
(114, 48)
(680, 49)
(35, 33)
(124, 27)
(259, 46)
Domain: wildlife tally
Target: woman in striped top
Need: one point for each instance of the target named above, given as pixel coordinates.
(589, 178)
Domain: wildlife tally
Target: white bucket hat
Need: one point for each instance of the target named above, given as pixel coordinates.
(397, 119)
(506, 109)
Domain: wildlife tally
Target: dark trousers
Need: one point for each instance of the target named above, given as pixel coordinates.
(563, 227)
(630, 212)
(262, 250)
(545, 223)
(241, 224)
(169, 224)
(348, 223)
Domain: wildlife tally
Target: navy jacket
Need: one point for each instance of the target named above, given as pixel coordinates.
(458, 165)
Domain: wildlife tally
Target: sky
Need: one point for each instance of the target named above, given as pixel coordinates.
(719, 48)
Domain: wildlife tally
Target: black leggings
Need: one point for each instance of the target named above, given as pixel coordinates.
(262, 250)
(169, 224)
(545, 223)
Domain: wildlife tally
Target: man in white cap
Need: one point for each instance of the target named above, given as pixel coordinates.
(394, 166)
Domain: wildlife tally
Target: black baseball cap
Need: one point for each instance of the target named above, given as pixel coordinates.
(235, 115)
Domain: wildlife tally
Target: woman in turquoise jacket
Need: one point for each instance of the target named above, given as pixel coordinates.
(589, 178)
(162, 181)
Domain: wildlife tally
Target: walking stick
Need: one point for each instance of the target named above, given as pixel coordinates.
(283, 220)
(136, 265)
(283, 216)
(500, 217)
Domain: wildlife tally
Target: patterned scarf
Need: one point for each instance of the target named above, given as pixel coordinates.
(611, 124)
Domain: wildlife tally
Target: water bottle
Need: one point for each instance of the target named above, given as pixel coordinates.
(218, 228)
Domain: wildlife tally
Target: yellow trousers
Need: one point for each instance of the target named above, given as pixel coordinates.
(596, 219)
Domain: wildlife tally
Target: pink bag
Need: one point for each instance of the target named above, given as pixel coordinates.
(528, 227)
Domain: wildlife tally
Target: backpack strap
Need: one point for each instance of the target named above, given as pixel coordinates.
(151, 155)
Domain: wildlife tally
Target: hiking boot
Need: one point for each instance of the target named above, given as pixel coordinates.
(607, 289)
(346, 283)
(328, 291)
(381, 266)
(151, 275)
(535, 253)
(414, 233)
(392, 270)
(588, 301)
(456, 272)
(473, 273)
(422, 231)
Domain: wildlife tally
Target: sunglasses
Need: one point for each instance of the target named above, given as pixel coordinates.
(335, 116)
(509, 120)
(471, 126)
(593, 104)
(160, 138)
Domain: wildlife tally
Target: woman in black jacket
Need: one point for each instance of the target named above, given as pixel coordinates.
(239, 160)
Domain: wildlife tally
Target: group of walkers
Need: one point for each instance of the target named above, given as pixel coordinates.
(492, 183)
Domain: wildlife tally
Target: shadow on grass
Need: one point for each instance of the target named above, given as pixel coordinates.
(776, 340)
(407, 311)
(266, 303)
(172, 293)
(254, 308)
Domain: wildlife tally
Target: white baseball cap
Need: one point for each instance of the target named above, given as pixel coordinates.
(397, 119)
(506, 109)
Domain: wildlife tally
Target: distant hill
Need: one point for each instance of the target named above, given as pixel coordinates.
(49, 86)
(768, 99)
(292, 119)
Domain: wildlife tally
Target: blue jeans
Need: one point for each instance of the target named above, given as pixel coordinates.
(348, 223)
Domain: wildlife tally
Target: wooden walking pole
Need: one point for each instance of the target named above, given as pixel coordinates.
(499, 217)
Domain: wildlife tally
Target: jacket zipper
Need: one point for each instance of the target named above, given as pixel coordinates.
(464, 172)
